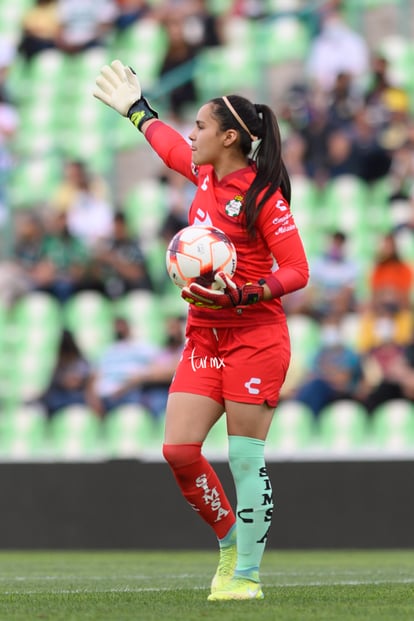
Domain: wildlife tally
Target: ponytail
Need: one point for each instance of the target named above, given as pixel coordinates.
(271, 170)
(256, 120)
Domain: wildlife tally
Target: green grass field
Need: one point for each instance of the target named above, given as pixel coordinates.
(173, 586)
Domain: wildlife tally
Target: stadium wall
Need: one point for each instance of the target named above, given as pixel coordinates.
(128, 504)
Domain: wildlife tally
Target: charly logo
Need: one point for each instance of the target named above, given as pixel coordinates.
(233, 207)
(250, 385)
(205, 183)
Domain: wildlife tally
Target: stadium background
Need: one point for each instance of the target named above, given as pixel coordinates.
(58, 120)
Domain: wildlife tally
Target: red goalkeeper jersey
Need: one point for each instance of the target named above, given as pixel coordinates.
(277, 246)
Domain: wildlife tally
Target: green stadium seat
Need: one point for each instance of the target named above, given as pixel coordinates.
(34, 181)
(304, 334)
(283, 39)
(89, 316)
(28, 373)
(292, 430)
(343, 428)
(11, 14)
(130, 431)
(345, 200)
(393, 427)
(227, 69)
(75, 433)
(146, 206)
(145, 314)
(144, 44)
(23, 433)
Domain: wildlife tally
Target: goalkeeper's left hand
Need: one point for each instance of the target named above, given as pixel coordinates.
(118, 87)
(224, 294)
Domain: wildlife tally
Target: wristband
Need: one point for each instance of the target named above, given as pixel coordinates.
(141, 111)
(274, 284)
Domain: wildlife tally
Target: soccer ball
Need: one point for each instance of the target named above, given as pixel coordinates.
(197, 253)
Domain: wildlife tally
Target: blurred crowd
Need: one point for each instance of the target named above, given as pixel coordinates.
(347, 117)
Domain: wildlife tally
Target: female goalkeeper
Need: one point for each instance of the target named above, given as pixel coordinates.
(237, 351)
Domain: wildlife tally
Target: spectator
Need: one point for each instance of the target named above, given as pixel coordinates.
(119, 264)
(70, 377)
(86, 200)
(333, 277)
(384, 319)
(129, 12)
(335, 373)
(40, 29)
(9, 122)
(83, 24)
(372, 158)
(390, 275)
(67, 259)
(343, 101)
(388, 364)
(29, 251)
(114, 377)
(179, 55)
(156, 379)
(336, 49)
(341, 155)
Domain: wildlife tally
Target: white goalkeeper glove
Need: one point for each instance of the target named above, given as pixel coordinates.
(118, 87)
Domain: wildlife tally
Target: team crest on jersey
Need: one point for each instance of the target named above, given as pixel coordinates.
(233, 207)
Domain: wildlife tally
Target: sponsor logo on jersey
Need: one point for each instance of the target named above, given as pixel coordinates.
(234, 207)
(205, 362)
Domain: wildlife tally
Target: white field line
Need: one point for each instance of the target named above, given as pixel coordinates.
(128, 589)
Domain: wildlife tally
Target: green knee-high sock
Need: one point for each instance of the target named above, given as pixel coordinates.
(254, 502)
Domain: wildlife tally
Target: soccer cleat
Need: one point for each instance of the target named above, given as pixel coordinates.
(237, 588)
(225, 569)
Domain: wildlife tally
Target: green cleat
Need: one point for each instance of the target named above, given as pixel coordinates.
(225, 569)
(237, 588)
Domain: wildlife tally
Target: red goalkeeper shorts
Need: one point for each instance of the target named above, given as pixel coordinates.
(243, 364)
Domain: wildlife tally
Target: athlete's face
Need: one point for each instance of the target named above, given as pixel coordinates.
(206, 138)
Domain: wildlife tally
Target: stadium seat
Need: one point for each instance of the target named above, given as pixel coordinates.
(342, 428)
(292, 430)
(283, 39)
(304, 334)
(75, 433)
(144, 312)
(143, 42)
(89, 316)
(23, 433)
(130, 431)
(146, 206)
(34, 180)
(227, 69)
(393, 427)
(345, 203)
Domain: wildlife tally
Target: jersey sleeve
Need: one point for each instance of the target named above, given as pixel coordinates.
(282, 237)
(171, 147)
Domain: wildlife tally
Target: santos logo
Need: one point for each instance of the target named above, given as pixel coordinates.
(253, 381)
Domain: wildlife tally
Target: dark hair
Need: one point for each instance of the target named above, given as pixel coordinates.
(271, 171)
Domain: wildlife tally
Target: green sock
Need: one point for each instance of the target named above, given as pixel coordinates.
(254, 503)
